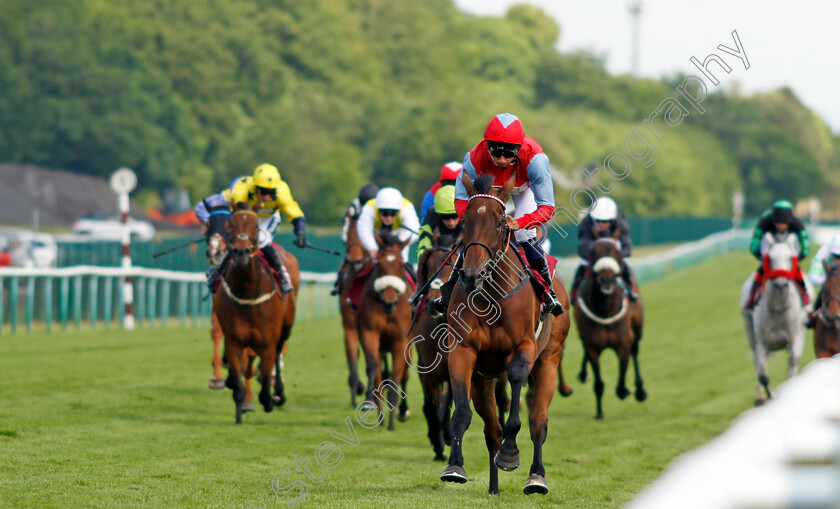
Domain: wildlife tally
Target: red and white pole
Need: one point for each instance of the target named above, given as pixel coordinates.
(123, 181)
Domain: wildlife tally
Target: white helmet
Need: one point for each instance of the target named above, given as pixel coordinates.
(389, 198)
(605, 209)
(834, 246)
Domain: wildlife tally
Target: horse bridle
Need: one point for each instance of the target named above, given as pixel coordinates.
(505, 236)
(356, 263)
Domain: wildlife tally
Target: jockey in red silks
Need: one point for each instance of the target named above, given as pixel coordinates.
(448, 173)
(504, 151)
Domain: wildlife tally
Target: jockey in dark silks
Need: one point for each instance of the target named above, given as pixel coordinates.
(353, 211)
(505, 151)
(779, 219)
(604, 221)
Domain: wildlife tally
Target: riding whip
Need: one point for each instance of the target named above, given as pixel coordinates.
(181, 246)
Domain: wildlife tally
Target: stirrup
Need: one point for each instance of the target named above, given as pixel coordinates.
(553, 305)
(334, 290)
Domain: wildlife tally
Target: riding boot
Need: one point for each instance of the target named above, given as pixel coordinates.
(215, 271)
(581, 271)
(437, 307)
(756, 284)
(628, 281)
(552, 305)
(273, 259)
(812, 316)
(336, 288)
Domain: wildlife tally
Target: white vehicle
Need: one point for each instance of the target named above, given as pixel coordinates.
(109, 227)
(30, 249)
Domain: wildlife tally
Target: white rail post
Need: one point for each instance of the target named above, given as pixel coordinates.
(123, 181)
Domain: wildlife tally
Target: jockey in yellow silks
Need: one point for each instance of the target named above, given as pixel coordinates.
(267, 195)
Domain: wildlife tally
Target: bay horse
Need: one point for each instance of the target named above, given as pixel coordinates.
(253, 312)
(384, 320)
(358, 260)
(606, 318)
(493, 320)
(827, 324)
(777, 320)
(432, 360)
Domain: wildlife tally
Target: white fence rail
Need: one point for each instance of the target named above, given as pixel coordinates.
(785, 454)
(92, 296)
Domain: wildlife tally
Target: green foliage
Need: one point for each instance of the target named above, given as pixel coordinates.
(335, 93)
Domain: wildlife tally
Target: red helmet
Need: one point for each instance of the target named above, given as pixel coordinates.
(450, 170)
(505, 128)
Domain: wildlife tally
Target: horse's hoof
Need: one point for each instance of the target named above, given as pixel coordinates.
(368, 405)
(582, 377)
(622, 392)
(454, 473)
(536, 484)
(216, 384)
(404, 417)
(440, 457)
(508, 463)
(641, 394)
(565, 391)
(760, 402)
(279, 399)
(247, 407)
(599, 417)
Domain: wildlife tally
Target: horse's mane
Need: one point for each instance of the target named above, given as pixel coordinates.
(241, 206)
(388, 238)
(483, 183)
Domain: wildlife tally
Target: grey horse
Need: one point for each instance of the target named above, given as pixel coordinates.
(777, 321)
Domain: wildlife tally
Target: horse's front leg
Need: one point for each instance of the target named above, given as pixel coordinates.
(508, 456)
(279, 392)
(544, 375)
(461, 365)
(623, 351)
(216, 382)
(484, 400)
(641, 393)
(760, 361)
(370, 345)
(234, 378)
(268, 358)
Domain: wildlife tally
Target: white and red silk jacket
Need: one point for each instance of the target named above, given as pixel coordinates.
(531, 167)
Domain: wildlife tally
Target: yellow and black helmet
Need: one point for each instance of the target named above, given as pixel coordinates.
(267, 176)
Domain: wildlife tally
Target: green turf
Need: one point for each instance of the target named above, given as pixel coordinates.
(107, 418)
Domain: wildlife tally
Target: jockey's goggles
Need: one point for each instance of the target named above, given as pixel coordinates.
(448, 216)
(505, 150)
(266, 190)
(388, 213)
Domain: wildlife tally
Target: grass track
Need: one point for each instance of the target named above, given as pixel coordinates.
(96, 419)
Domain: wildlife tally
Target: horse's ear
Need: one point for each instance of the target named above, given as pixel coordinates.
(468, 183)
(506, 189)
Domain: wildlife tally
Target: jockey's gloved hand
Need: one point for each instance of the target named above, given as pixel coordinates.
(300, 241)
(300, 224)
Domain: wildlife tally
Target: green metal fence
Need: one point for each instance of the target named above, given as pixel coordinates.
(92, 297)
(644, 231)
